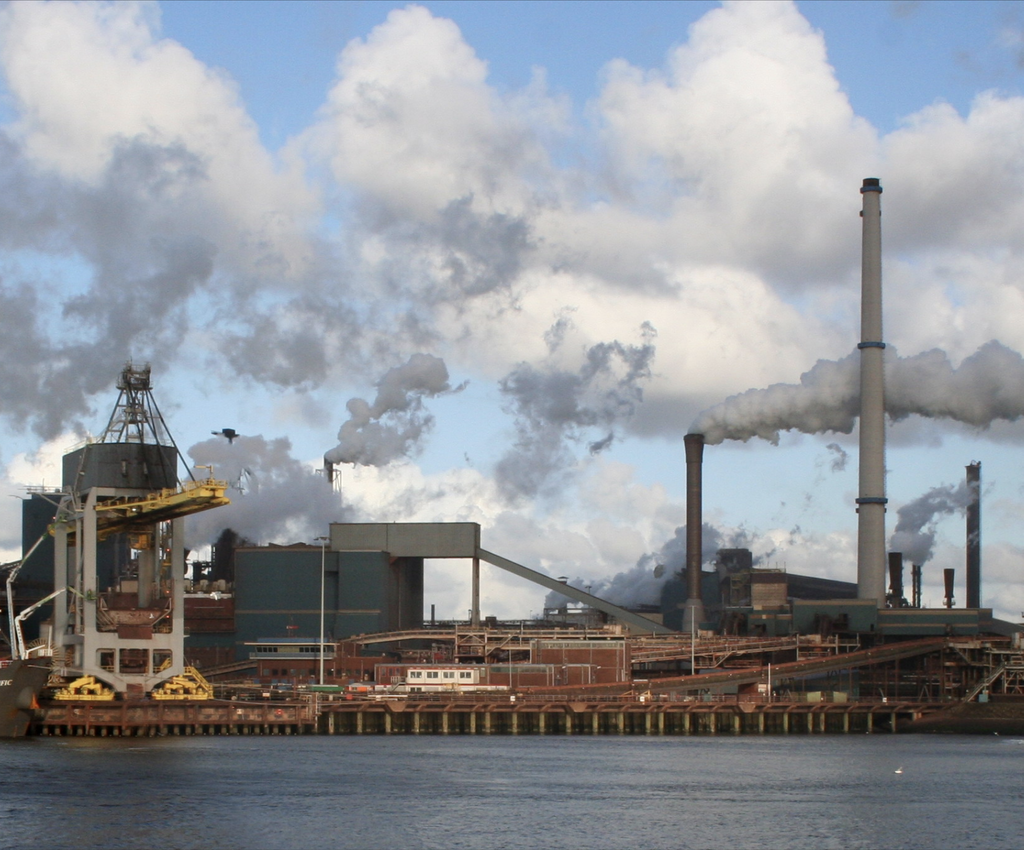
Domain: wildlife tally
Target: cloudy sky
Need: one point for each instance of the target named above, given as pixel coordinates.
(497, 259)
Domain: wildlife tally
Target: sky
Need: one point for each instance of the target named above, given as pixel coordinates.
(496, 259)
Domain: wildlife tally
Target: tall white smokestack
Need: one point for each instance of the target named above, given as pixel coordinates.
(871, 503)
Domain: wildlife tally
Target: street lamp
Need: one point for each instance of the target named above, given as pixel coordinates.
(323, 573)
(693, 648)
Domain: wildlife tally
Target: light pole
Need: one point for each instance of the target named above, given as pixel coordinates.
(323, 574)
(693, 648)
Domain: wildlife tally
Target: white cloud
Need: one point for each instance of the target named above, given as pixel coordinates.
(748, 138)
(413, 123)
(715, 197)
(41, 469)
(90, 77)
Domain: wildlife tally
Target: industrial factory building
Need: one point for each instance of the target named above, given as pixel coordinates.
(369, 578)
(108, 551)
(278, 592)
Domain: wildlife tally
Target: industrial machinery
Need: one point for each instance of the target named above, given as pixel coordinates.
(120, 552)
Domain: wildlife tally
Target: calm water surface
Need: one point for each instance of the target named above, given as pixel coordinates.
(280, 793)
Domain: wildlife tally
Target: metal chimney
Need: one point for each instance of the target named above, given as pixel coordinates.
(974, 536)
(896, 599)
(871, 502)
(948, 576)
(693, 613)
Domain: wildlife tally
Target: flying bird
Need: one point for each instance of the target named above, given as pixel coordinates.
(230, 433)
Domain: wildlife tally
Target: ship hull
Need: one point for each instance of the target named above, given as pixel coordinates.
(20, 684)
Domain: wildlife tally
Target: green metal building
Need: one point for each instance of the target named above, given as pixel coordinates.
(277, 593)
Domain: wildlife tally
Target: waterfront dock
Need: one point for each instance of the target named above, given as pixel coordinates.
(461, 714)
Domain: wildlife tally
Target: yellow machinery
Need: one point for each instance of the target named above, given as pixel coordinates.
(188, 685)
(130, 513)
(85, 688)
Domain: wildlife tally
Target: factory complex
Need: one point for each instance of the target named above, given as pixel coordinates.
(111, 631)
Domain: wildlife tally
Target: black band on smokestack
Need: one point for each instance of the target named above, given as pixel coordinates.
(974, 536)
(694, 444)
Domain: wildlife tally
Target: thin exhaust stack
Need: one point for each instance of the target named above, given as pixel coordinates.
(693, 613)
(974, 536)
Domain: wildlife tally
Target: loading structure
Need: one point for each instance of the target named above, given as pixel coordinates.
(119, 553)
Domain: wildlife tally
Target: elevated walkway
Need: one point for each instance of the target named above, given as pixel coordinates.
(636, 623)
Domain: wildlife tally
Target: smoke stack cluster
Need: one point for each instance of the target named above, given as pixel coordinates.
(974, 536)
(871, 501)
(693, 614)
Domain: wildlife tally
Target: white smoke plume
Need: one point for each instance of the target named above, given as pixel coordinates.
(914, 534)
(394, 424)
(642, 584)
(274, 496)
(988, 385)
(555, 406)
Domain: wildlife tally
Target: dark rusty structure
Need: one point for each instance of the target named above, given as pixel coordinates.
(776, 686)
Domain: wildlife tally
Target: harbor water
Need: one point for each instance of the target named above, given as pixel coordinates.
(278, 793)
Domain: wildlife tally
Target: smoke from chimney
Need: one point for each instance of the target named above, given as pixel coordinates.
(915, 530)
(393, 425)
(987, 386)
